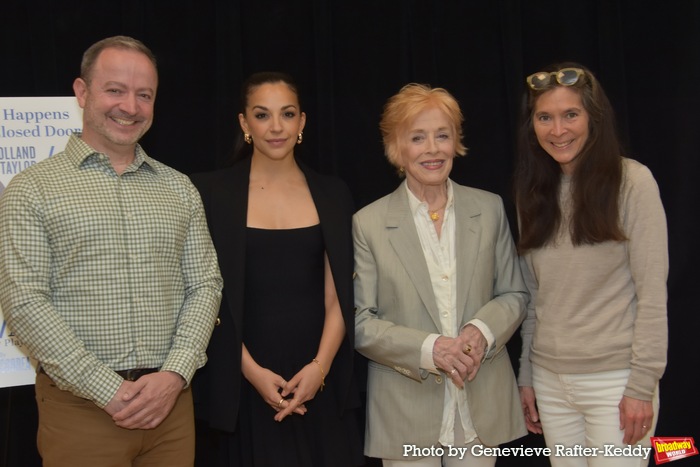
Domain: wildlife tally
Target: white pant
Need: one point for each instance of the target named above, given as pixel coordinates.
(581, 410)
(446, 460)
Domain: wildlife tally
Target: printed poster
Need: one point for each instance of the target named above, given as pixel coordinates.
(31, 129)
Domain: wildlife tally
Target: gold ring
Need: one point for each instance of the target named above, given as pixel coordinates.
(279, 404)
(467, 348)
(644, 426)
(453, 371)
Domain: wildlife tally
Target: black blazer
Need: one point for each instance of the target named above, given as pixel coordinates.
(216, 386)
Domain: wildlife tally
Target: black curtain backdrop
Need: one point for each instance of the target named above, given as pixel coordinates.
(349, 57)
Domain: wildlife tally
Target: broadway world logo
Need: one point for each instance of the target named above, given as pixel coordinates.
(669, 449)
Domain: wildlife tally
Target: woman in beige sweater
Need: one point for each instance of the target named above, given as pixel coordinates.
(593, 246)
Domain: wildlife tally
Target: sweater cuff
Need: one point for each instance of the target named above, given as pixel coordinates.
(641, 385)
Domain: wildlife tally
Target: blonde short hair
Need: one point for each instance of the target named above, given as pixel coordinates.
(402, 108)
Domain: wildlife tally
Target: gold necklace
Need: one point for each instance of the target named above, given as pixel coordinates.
(435, 215)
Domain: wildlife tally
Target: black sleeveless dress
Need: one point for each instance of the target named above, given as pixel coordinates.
(282, 327)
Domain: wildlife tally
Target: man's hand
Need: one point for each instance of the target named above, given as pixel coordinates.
(118, 403)
(145, 403)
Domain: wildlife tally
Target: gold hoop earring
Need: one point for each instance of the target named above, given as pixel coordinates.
(300, 137)
(248, 139)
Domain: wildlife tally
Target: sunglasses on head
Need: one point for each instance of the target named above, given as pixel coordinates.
(565, 77)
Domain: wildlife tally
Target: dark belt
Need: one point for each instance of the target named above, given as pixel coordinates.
(130, 375)
(135, 373)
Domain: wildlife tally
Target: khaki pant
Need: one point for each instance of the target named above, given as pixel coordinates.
(74, 432)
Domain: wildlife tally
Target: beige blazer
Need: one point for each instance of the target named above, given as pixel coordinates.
(395, 311)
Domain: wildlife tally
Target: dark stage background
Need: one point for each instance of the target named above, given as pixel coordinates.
(349, 57)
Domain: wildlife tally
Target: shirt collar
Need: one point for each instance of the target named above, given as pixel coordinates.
(78, 151)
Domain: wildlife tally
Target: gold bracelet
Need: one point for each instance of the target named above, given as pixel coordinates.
(323, 374)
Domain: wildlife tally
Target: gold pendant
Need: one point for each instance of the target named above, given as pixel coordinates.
(435, 216)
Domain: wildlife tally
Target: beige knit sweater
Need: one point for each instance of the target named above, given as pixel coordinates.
(602, 307)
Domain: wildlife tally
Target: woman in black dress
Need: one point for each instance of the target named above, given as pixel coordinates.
(279, 385)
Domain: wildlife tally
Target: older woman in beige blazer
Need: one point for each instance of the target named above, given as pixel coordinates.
(438, 293)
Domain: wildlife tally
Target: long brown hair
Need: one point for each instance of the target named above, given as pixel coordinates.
(596, 181)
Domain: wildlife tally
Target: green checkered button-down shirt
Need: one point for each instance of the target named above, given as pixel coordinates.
(103, 272)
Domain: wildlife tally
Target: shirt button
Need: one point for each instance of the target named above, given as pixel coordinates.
(438, 379)
(445, 278)
(445, 314)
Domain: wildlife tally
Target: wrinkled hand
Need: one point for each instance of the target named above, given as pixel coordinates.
(271, 388)
(474, 345)
(636, 417)
(303, 386)
(449, 356)
(529, 405)
(145, 403)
